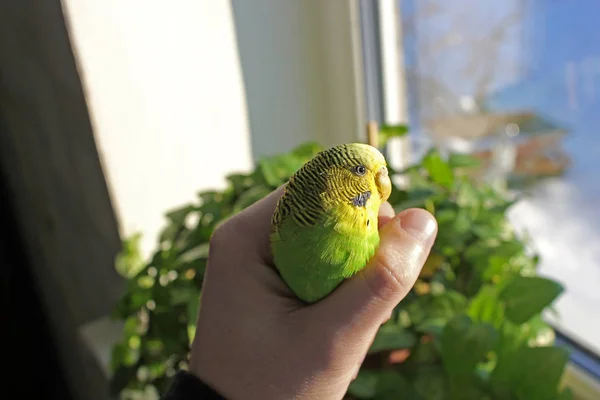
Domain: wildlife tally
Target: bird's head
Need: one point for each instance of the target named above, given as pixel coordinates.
(357, 172)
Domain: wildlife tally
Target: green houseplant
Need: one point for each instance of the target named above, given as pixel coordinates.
(470, 328)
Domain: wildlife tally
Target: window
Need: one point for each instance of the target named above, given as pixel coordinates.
(518, 84)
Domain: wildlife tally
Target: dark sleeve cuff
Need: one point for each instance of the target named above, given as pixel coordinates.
(186, 386)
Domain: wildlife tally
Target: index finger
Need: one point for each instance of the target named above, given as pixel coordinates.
(251, 227)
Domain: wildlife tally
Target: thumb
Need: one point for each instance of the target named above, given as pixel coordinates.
(362, 303)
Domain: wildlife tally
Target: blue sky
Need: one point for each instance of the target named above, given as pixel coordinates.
(548, 61)
(563, 78)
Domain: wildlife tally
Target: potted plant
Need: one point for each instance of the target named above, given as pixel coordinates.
(471, 328)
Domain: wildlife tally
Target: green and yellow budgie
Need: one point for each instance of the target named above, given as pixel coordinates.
(324, 228)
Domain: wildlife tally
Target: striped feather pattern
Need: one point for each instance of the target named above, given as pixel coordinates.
(327, 180)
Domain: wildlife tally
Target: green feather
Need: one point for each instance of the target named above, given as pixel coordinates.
(314, 262)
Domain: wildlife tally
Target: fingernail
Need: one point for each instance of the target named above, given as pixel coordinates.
(420, 224)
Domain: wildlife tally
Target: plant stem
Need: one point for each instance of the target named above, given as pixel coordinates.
(373, 134)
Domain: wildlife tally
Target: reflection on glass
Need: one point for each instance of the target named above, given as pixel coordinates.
(517, 83)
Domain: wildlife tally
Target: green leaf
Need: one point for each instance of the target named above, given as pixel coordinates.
(191, 333)
(439, 171)
(307, 151)
(125, 355)
(424, 353)
(566, 394)
(250, 197)
(510, 249)
(386, 132)
(466, 387)
(530, 373)
(457, 160)
(445, 305)
(365, 384)
(391, 337)
(269, 172)
(193, 306)
(287, 165)
(462, 223)
(184, 295)
(512, 338)
(467, 195)
(464, 344)
(397, 196)
(212, 207)
(430, 383)
(445, 216)
(433, 326)
(178, 216)
(391, 385)
(193, 254)
(276, 170)
(129, 261)
(121, 377)
(497, 265)
(538, 332)
(418, 198)
(528, 296)
(192, 309)
(486, 307)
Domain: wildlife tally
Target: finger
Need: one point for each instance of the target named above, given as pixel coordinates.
(386, 213)
(250, 228)
(362, 303)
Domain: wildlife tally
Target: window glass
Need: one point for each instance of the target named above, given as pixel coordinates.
(517, 83)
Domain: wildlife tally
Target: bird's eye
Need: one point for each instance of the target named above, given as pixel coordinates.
(360, 170)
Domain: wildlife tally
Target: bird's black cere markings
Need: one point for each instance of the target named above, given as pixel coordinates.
(361, 199)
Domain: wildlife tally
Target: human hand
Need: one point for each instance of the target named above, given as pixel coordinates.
(256, 340)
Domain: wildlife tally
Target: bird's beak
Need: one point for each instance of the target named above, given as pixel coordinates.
(383, 183)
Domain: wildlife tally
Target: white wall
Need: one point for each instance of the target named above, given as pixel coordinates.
(302, 69)
(172, 106)
(166, 98)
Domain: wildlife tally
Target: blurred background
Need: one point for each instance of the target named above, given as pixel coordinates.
(112, 112)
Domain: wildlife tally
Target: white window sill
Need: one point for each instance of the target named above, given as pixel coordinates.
(583, 386)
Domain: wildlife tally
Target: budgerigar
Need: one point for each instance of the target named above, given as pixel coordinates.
(324, 228)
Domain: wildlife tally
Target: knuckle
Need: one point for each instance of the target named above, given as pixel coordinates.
(394, 271)
(389, 280)
(398, 233)
(226, 234)
(219, 238)
(220, 244)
